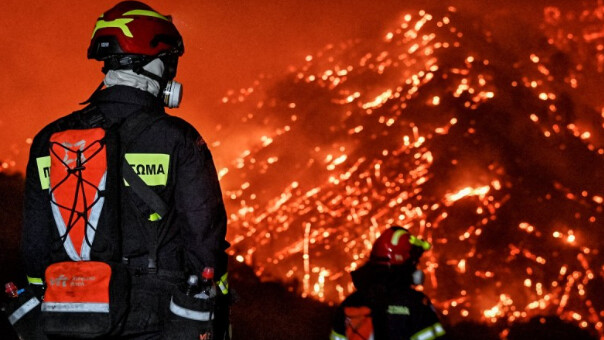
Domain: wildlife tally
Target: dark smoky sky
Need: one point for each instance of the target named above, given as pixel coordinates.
(228, 44)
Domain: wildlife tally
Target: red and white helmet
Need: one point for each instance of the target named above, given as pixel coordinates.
(135, 29)
(395, 246)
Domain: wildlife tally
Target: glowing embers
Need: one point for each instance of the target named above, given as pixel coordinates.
(379, 100)
(468, 191)
(419, 129)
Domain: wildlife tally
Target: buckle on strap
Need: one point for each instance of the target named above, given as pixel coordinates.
(152, 266)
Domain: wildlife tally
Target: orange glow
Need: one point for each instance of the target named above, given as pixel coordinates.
(330, 126)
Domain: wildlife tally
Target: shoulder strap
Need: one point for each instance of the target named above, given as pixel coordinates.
(136, 124)
(146, 194)
(91, 116)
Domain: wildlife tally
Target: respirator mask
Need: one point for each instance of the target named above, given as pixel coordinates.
(170, 91)
(123, 70)
(172, 94)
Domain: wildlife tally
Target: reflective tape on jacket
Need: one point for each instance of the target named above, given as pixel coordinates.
(75, 307)
(223, 284)
(89, 227)
(35, 281)
(189, 313)
(432, 332)
(438, 328)
(23, 309)
(337, 336)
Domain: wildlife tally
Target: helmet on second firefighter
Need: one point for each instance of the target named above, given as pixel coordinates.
(396, 247)
(132, 34)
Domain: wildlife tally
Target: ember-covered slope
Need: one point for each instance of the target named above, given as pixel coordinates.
(490, 152)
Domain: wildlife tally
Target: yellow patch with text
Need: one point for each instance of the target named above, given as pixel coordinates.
(398, 310)
(44, 171)
(152, 168)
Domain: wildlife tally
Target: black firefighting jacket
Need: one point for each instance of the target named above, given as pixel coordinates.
(382, 310)
(177, 165)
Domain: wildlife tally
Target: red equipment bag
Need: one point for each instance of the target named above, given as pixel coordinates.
(84, 299)
(359, 325)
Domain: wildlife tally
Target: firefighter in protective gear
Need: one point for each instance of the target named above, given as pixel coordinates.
(385, 306)
(140, 49)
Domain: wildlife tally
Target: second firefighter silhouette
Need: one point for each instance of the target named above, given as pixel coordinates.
(385, 306)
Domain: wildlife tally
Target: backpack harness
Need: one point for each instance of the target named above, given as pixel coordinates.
(78, 177)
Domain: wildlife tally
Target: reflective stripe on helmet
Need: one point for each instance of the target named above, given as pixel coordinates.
(223, 284)
(337, 336)
(189, 313)
(420, 243)
(117, 23)
(23, 309)
(77, 307)
(412, 239)
(133, 28)
(397, 236)
(147, 13)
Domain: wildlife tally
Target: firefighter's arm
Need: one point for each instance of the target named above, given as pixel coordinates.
(338, 332)
(427, 323)
(37, 223)
(198, 197)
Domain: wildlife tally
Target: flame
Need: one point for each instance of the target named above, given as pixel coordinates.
(409, 130)
(466, 192)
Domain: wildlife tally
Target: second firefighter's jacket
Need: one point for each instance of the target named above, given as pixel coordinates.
(385, 307)
(171, 158)
(409, 315)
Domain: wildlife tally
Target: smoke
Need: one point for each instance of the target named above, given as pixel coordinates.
(229, 44)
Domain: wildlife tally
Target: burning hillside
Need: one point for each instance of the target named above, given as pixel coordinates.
(492, 155)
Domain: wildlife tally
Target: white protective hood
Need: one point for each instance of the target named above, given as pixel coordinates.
(139, 81)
